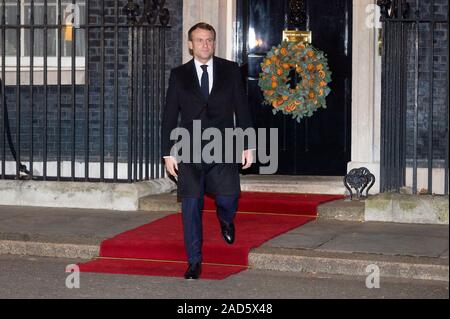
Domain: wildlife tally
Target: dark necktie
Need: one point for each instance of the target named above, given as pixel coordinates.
(204, 87)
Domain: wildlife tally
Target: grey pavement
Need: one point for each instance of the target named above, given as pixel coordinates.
(409, 251)
(68, 225)
(39, 277)
(370, 237)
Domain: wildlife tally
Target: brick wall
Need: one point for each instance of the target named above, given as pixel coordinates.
(440, 91)
(173, 55)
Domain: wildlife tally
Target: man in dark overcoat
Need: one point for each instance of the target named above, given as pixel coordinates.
(209, 89)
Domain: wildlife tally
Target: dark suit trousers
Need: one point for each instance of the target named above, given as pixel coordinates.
(191, 209)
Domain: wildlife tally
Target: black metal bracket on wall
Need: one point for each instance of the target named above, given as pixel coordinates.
(152, 10)
(390, 9)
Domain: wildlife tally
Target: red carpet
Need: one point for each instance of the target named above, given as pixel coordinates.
(157, 248)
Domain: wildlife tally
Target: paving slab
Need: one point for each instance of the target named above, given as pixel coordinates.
(299, 241)
(328, 226)
(312, 234)
(430, 230)
(369, 237)
(387, 244)
(62, 225)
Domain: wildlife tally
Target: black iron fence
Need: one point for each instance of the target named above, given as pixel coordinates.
(414, 118)
(81, 91)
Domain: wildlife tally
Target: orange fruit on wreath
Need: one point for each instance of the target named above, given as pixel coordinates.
(291, 107)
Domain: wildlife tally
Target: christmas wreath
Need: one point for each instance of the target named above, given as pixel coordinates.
(294, 79)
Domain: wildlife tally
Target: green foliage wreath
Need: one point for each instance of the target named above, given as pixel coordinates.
(312, 76)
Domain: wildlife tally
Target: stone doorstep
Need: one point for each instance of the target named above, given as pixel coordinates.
(293, 260)
(293, 184)
(401, 208)
(278, 259)
(111, 196)
(342, 210)
(393, 208)
(293, 188)
(160, 203)
(170, 202)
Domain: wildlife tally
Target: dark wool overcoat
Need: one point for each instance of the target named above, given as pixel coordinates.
(226, 107)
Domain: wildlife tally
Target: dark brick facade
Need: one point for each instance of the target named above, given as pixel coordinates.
(173, 58)
(440, 89)
(173, 54)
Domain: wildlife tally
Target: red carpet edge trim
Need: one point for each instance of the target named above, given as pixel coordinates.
(170, 261)
(262, 213)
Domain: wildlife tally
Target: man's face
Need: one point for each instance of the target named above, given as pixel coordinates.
(202, 44)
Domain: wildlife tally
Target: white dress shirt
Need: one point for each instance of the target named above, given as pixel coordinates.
(198, 68)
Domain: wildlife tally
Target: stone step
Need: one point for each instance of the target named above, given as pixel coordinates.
(49, 249)
(306, 261)
(403, 208)
(276, 259)
(293, 184)
(87, 195)
(390, 207)
(257, 183)
(342, 209)
(160, 203)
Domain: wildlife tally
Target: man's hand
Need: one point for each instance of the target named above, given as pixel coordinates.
(171, 165)
(247, 159)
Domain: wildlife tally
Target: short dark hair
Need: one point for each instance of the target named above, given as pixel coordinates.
(201, 25)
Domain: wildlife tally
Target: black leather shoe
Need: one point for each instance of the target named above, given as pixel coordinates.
(193, 271)
(227, 232)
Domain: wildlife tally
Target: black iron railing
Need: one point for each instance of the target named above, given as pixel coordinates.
(92, 121)
(414, 118)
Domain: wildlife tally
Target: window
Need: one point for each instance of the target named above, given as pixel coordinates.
(11, 45)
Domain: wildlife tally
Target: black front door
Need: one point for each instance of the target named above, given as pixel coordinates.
(319, 145)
